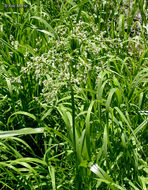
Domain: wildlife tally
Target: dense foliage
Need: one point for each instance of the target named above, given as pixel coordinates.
(73, 94)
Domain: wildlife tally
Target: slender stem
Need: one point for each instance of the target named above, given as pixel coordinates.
(73, 115)
(74, 136)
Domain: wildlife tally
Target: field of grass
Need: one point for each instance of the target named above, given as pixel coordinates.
(74, 95)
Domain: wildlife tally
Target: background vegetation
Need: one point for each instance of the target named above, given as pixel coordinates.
(73, 94)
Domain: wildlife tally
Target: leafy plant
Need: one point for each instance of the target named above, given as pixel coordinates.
(73, 95)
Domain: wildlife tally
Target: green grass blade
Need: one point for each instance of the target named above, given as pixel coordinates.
(25, 131)
(51, 30)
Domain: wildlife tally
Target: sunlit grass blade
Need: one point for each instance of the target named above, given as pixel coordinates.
(25, 131)
(51, 30)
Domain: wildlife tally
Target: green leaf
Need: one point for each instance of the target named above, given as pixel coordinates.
(109, 98)
(22, 113)
(25, 131)
(141, 126)
(51, 30)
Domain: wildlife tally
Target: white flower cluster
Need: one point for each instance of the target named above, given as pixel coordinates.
(62, 63)
(15, 44)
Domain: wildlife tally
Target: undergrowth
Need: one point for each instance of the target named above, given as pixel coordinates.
(73, 94)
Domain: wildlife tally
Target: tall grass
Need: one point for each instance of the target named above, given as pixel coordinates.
(73, 95)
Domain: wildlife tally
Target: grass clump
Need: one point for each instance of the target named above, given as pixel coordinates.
(73, 95)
